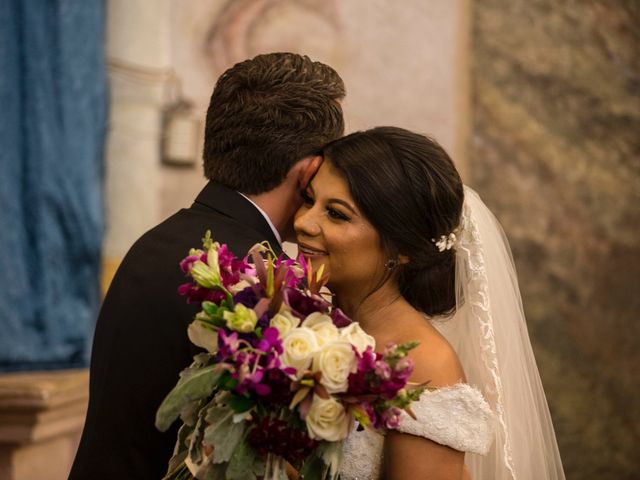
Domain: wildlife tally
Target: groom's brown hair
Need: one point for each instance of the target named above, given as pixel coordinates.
(267, 113)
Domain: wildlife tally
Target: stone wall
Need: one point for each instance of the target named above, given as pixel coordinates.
(555, 152)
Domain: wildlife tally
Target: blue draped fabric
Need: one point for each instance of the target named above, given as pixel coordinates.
(53, 108)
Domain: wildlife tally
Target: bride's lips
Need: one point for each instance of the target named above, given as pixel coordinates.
(309, 251)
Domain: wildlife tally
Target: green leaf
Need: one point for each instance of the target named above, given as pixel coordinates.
(176, 465)
(195, 445)
(227, 382)
(210, 308)
(212, 314)
(313, 469)
(331, 454)
(244, 464)
(189, 412)
(182, 443)
(194, 385)
(217, 415)
(215, 471)
(241, 403)
(201, 360)
(226, 440)
(222, 433)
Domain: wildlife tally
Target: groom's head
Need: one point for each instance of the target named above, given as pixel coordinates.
(265, 115)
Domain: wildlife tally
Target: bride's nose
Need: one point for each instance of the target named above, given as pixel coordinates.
(305, 223)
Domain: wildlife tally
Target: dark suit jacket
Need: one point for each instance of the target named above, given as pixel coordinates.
(141, 344)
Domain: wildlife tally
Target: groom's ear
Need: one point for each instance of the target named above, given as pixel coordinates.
(309, 171)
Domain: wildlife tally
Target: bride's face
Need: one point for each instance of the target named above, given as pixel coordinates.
(332, 231)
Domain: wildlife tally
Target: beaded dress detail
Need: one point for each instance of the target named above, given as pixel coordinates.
(456, 416)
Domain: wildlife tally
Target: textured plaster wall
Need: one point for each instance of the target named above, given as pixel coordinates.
(555, 152)
(403, 63)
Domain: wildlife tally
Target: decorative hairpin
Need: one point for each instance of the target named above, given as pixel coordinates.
(445, 242)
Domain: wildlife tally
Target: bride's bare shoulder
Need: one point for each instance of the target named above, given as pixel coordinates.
(434, 359)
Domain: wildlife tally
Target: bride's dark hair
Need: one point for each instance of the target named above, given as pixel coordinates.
(409, 189)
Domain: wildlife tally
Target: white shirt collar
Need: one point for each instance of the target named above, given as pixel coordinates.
(266, 217)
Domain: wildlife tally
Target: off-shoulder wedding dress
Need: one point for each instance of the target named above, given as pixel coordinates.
(501, 418)
(457, 416)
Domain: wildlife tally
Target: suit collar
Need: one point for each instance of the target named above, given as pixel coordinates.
(231, 204)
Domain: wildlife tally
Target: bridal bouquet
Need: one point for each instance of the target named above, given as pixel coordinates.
(284, 375)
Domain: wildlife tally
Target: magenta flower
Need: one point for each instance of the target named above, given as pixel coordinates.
(198, 294)
(390, 417)
(251, 381)
(293, 275)
(228, 344)
(233, 263)
(188, 262)
(360, 382)
(270, 341)
(230, 267)
(371, 413)
(340, 320)
(302, 305)
(272, 435)
(383, 370)
(389, 389)
(280, 382)
(403, 368)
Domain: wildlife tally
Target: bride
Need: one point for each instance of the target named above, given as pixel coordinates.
(415, 255)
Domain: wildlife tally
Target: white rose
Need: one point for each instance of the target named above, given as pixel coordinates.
(323, 327)
(355, 335)
(327, 420)
(285, 322)
(298, 346)
(336, 361)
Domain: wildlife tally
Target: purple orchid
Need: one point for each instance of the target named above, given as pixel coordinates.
(270, 341)
(249, 296)
(228, 344)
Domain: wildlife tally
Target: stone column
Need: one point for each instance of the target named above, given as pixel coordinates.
(138, 49)
(41, 419)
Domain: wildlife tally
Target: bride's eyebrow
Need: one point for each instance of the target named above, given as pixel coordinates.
(343, 203)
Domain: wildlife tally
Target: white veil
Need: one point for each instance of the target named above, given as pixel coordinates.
(489, 333)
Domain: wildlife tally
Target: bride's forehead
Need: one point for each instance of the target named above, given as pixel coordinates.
(329, 179)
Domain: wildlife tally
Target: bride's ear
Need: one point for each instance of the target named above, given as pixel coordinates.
(308, 172)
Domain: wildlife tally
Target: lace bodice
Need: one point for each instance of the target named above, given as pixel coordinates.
(456, 416)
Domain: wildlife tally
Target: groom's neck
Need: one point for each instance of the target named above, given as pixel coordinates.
(281, 203)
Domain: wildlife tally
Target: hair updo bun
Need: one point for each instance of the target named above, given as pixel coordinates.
(409, 189)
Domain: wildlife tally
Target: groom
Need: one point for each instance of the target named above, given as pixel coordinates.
(266, 119)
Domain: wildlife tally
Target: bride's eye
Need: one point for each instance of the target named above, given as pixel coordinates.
(336, 214)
